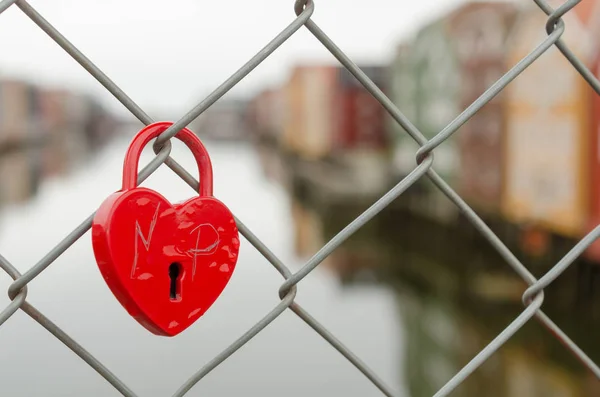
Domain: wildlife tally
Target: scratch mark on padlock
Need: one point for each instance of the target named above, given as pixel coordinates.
(194, 312)
(146, 242)
(202, 251)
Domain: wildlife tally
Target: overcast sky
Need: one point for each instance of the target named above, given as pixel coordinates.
(169, 55)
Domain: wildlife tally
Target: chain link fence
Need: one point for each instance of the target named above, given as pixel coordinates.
(304, 9)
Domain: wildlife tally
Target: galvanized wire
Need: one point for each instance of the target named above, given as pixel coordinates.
(5, 4)
(532, 298)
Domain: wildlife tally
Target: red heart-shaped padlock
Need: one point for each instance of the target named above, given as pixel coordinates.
(165, 263)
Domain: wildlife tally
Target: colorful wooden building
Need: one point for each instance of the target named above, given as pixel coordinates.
(437, 90)
(402, 91)
(479, 32)
(548, 125)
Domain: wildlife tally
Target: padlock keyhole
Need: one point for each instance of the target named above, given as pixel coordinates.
(175, 277)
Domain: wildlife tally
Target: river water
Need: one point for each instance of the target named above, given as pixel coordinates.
(414, 340)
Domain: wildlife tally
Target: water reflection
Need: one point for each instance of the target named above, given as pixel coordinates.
(454, 295)
(287, 358)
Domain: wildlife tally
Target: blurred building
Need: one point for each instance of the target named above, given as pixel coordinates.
(44, 133)
(479, 33)
(402, 91)
(426, 80)
(593, 252)
(329, 113)
(438, 81)
(266, 115)
(15, 112)
(224, 120)
(548, 125)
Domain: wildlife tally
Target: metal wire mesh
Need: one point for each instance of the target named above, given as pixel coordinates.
(532, 298)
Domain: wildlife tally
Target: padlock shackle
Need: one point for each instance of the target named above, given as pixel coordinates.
(141, 139)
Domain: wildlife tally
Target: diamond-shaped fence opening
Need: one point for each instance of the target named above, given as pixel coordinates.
(425, 167)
